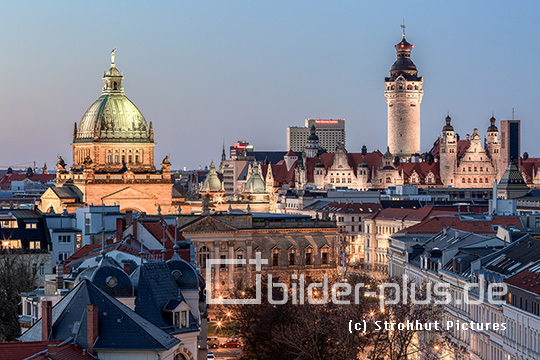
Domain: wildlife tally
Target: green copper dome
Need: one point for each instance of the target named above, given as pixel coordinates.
(212, 182)
(113, 117)
(255, 182)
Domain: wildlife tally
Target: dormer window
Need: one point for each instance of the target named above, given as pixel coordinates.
(180, 319)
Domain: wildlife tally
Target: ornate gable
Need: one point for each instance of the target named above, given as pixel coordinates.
(208, 224)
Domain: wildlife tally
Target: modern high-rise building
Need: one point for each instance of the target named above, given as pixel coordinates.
(510, 141)
(331, 132)
(403, 96)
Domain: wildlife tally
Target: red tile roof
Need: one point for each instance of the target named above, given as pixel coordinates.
(18, 350)
(530, 167)
(81, 253)
(462, 146)
(64, 351)
(436, 224)
(422, 169)
(280, 173)
(5, 181)
(527, 279)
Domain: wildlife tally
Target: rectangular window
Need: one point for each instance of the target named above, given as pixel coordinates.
(177, 319)
(123, 159)
(239, 257)
(275, 259)
(31, 225)
(130, 159)
(33, 245)
(324, 258)
(42, 270)
(223, 257)
(63, 256)
(11, 244)
(64, 238)
(308, 258)
(291, 258)
(137, 158)
(109, 159)
(116, 159)
(184, 319)
(9, 224)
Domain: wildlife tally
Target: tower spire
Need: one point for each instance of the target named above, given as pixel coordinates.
(403, 28)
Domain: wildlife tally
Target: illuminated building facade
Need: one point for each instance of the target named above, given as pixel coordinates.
(113, 158)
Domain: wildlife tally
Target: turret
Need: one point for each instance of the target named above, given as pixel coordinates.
(312, 144)
(448, 152)
(493, 145)
(403, 97)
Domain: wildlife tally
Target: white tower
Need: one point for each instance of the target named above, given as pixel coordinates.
(448, 153)
(403, 95)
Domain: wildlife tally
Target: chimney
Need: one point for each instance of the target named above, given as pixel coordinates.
(59, 276)
(135, 225)
(52, 349)
(91, 326)
(46, 320)
(120, 228)
(129, 218)
(126, 268)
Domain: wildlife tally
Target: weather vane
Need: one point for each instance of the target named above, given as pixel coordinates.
(403, 27)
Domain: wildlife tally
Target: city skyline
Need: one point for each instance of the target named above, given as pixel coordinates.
(201, 72)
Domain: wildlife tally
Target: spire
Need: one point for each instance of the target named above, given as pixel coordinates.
(402, 27)
(223, 156)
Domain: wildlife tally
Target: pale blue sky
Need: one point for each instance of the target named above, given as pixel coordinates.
(207, 70)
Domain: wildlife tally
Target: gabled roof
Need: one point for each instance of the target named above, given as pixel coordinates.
(119, 328)
(156, 288)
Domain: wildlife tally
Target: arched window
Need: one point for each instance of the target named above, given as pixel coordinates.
(115, 86)
(388, 180)
(469, 180)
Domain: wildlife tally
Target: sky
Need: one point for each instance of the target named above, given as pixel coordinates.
(208, 72)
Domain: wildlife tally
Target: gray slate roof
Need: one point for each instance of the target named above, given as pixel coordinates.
(119, 328)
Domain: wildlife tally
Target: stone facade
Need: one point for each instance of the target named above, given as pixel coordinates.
(403, 97)
(289, 246)
(113, 158)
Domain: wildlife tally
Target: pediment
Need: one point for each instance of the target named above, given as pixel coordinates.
(208, 224)
(129, 193)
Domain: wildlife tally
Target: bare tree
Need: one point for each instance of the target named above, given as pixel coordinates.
(17, 274)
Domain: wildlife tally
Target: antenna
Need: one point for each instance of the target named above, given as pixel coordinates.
(103, 229)
(512, 113)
